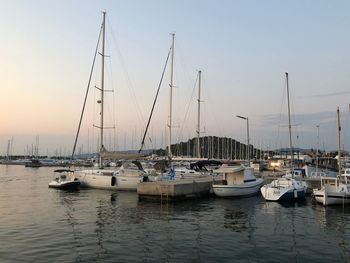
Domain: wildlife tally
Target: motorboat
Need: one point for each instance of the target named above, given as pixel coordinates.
(334, 190)
(238, 181)
(65, 180)
(312, 176)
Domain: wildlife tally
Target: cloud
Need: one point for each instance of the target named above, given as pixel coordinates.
(307, 119)
(274, 129)
(326, 95)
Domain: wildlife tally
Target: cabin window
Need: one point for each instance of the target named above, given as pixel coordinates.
(113, 181)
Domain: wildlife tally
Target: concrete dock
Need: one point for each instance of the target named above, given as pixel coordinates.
(182, 189)
(172, 190)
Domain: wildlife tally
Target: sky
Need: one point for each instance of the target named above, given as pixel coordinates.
(243, 49)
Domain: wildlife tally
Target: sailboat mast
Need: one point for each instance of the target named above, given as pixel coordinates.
(289, 124)
(8, 150)
(339, 152)
(199, 114)
(248, 144)
(171, 93)
(102, 85)
(318, 146)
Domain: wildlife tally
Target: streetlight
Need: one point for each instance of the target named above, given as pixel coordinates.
(246, 118)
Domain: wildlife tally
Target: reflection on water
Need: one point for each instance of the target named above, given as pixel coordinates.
(236, 220)
(335, 220)
(38, 223)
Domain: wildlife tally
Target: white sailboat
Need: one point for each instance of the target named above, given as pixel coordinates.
(335, 190)
(126, 178)
(286, 188)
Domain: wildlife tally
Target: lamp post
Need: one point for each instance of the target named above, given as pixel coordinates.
(246, 118)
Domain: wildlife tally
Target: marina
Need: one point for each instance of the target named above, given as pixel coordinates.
(136, 131)
(92, 225)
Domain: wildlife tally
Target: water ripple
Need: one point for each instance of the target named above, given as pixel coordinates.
(39, 224)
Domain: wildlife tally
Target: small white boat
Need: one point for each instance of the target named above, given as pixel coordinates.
(283, 189)
(334, 190)
(65, 180)
(238, 182)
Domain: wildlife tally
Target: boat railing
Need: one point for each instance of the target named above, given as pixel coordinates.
(318, 174)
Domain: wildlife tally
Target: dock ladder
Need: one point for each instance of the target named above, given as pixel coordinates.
(164, 192)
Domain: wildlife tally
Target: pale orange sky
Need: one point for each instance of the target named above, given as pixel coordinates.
(242, 48)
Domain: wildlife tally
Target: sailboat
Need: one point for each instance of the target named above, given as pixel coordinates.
(126, 178)
(335, 190)
(285, 188)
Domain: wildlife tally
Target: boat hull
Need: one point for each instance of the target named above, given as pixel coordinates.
(238, 190)
(331, 198)
(109, 181)
(283, 190)
(68, 185)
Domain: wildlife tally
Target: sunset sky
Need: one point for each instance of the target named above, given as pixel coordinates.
(242, 47)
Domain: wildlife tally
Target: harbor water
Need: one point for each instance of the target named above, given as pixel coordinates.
(39, 224)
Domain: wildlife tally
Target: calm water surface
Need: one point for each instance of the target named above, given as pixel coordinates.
(38, 224)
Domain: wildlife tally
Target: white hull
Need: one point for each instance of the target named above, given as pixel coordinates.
(331, 198)
(283, 189)
(65, 184)
(104, 179)
(65, 180)
(238, 190)
(334, 191)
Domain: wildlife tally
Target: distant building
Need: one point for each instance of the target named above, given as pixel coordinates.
(282, 160)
